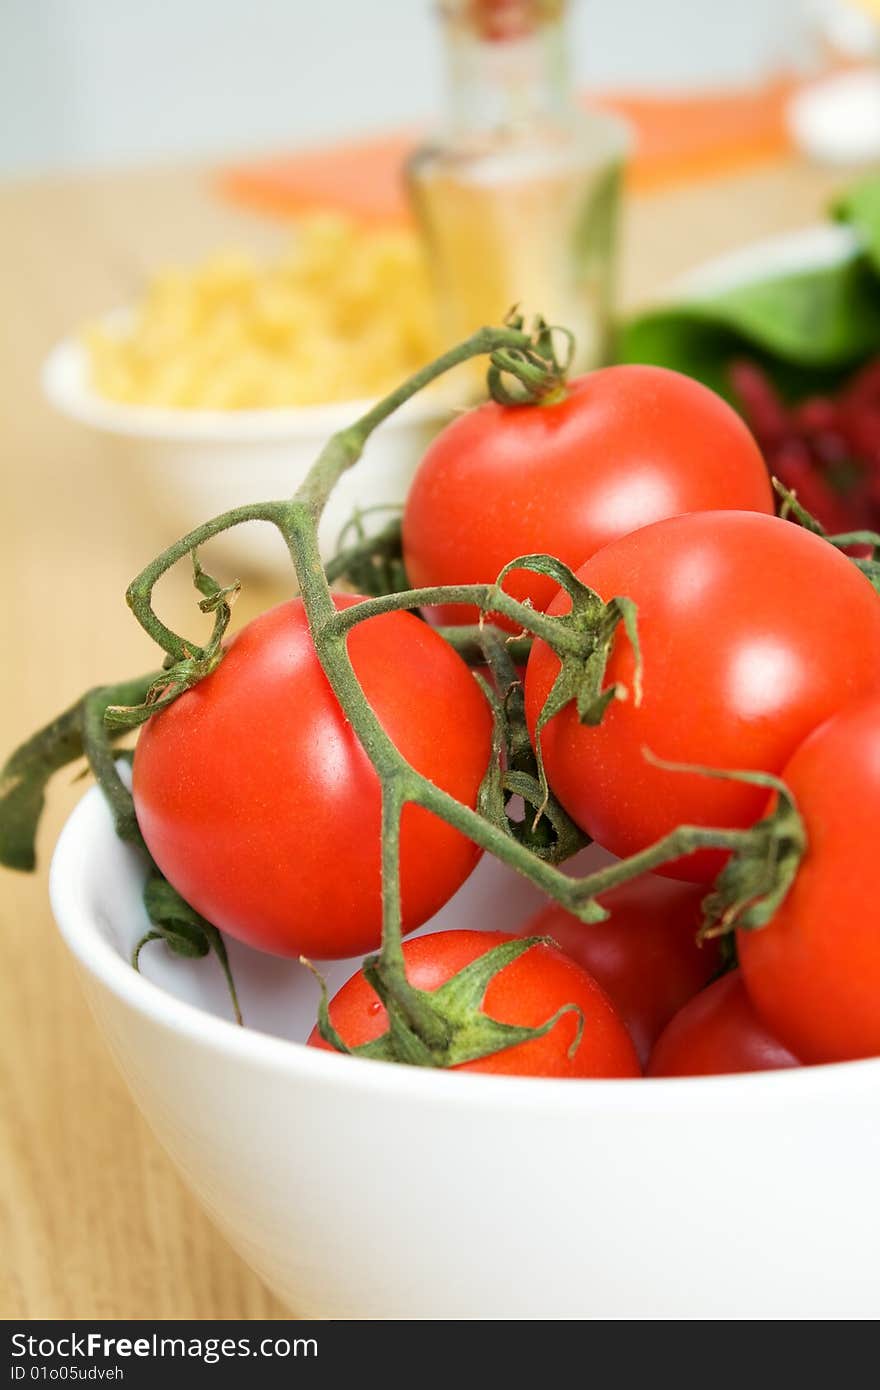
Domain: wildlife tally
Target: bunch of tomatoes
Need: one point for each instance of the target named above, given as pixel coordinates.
(759, 645)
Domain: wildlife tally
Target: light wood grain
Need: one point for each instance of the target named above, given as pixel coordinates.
(95, 1222)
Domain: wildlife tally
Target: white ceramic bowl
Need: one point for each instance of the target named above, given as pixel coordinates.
(361, 1189)
(194, 464)
(811, 248)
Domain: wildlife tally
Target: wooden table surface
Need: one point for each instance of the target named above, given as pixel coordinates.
(95, 1222)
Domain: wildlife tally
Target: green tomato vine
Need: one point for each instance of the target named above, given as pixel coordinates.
(449, 1026)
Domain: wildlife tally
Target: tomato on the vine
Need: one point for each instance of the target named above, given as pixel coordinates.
(753, 631)
(813, 973)
(626, 446)
(645, 955)
(258, 803)
(528, 991)
(718, 1031)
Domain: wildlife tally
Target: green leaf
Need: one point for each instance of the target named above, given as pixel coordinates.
(181, 927)
(27, 771)
(807, 329)
(184, 931)
(860, 207)
(23, 785)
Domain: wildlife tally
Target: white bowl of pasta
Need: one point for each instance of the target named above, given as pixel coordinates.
(196, 463)
(219, 384)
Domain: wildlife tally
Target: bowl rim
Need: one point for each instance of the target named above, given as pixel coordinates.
(819, 245)
(64, 379)
(84, 833)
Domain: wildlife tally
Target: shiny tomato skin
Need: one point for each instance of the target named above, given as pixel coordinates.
(258, 803)
(526, 992)
(813, 973)
(645, 955)
(753, 632)
(627, 446)
(718, 1032)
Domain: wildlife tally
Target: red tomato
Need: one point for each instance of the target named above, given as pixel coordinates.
(813, 973)
(627, 446)
(258, 803)
(753, 632)
(718, 1031)
(645, 955)
(526, 992)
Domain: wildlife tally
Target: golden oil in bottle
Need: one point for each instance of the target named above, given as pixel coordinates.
(517, 198)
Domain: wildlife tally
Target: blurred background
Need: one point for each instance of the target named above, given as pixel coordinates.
(99, 82)
(209, 258)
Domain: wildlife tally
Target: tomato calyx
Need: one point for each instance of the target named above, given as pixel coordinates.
(534, 374)
(184, 931)
(583, 662)
(371, 563)
(514, 772)
(449, 1026)
(847, 541)
(756, 878)
(764, 860)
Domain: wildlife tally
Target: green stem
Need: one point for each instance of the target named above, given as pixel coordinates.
(414, 1005)
(850, 538)
(295, 517)
(489, 598)
(218, 945)
(416, 1021)
(345, 448)
(349, 558)
(575, 894)
(468, 642)
(97, 741)
(328, 634)
(26, 774)
(391, 955)
(139, 593)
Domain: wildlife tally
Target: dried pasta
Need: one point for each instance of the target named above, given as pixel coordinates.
(344, 312)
